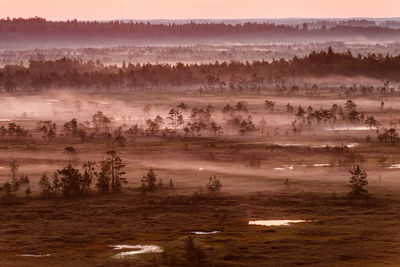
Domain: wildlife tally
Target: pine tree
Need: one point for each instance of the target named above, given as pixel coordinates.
(358, 180)
(149, 180)
(117, 173)
(104, 177)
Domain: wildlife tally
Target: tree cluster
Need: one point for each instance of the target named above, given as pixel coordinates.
(69, 181)
(231, 76)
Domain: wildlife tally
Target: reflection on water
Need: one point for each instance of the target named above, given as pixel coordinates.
(394, 166)
(137, 249)
(352, 145)
(205, 233)
(321, 165)
(350, 128)
(275, 222)
(34, 255)
(284, 168)
(288, 145)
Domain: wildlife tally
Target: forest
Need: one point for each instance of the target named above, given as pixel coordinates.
(39, 30)
(72, 73)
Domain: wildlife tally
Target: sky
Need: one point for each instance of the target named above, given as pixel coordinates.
(197, 9)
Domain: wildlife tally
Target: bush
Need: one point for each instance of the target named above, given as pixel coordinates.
(389, 136)
(70, 149)
(213, 185)
(149, 181)
(17, 180)
(71, 181)
(44, 184)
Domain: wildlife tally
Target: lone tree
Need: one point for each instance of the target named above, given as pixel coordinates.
(116, 172)
(213, 185)
(149, 181)
(358, 180)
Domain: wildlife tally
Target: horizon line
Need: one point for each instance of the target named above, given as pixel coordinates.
(208, 19)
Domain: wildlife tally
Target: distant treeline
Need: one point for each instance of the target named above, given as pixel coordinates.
(68, 73)
(39, 30)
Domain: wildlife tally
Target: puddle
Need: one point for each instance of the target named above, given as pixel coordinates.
(288, 145)
(201, 169)
(276, 222)
(206, 233)
(352, 145)
(16, 119)
(315, 146)
(134, 250)
(350, 128)
(285, 168)
(34, 255)
(319, 146)
(104, 102)
(53, 100)
(321, 165)
(394, 166)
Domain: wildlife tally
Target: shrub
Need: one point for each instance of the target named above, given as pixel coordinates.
(71, 181)
(70, 149)
(358, 180)
(11, 188)
(44, 184)
(213, 185)
(389, 136)
(149, 181)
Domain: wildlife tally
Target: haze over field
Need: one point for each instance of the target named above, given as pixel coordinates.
(199, 133)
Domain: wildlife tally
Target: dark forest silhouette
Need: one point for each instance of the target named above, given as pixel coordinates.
(76, 74)
(39, 30)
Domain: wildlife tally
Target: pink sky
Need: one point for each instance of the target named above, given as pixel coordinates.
(182, 9)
